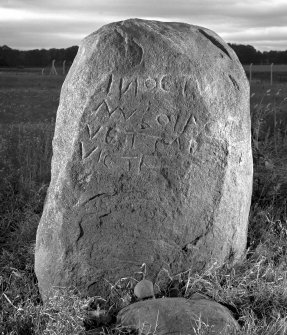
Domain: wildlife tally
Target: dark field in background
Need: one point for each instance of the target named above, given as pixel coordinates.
(28, 96)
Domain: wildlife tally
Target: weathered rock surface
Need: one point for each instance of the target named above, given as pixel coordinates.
(178, 316)
(152, 158)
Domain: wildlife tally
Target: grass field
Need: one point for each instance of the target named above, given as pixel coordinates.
(255, 290)
(28, 97)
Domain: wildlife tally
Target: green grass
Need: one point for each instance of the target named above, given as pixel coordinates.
(28, 97)
(254, 290)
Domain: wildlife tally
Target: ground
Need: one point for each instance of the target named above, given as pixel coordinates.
(254, 290)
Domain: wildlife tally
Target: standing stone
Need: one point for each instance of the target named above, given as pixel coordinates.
(152, 158)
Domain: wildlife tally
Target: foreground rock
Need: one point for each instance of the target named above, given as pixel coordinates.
(152, 158)
(178, 316)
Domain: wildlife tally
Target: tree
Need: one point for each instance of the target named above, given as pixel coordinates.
(247, 53)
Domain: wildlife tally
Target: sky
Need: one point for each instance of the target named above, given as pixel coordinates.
(37, 24)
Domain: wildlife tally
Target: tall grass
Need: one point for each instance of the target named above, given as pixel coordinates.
(25, 151)
(255, 290)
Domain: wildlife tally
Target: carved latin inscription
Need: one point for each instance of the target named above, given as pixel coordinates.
(130, 123)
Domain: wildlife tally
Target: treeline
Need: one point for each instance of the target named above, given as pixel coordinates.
(248, 54)
(35, 58)
(41, 58)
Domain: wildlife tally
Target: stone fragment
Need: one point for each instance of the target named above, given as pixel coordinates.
(151, 158)
(144, 289)
(178, 316)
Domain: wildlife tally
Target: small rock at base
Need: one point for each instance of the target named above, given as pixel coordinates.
(178, 316)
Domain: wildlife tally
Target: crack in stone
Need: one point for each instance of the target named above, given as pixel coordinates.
(214, 41)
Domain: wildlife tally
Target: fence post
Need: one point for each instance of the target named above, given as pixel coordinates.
(64, 67)
(271, 74)
(53, 70)
(250, 73)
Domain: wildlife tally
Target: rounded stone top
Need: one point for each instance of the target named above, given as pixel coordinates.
(136, 44)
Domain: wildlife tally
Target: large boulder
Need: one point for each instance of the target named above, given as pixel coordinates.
(151, 160)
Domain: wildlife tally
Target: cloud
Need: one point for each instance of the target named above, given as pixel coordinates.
(257, 10)
(22, 15)
(55, 23)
